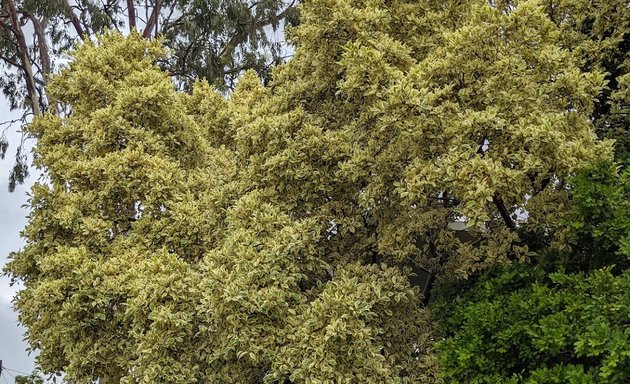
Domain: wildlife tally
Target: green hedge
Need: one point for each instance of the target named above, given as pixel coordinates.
(521, 326)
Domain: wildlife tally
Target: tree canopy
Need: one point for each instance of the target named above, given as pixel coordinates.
(272, 236)
(212, 40)
(563, 320)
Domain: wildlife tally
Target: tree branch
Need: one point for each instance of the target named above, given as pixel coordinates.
(24, 58)
(228, 50)
(6, 26)
(75, 20)
(170, 14)
(107, 9)
(38, 26)
(11, 62)
(151, 23)
(496, 199)
(168, 23)
(131, 14)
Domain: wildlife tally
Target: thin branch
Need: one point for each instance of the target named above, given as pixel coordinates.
(75, 20)
(39, 81)
(8, 123)
(6, 26)
(165, 21)
(239, 38)
(84, 22)
(11, 62)
(255, 4)
(168, 23)
(26, 61)
(107, 9)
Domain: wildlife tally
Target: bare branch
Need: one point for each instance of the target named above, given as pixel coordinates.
(24, 58)
(107, 9)
(131, 14)
(167, 19)
(152, 22)
(9, 123)
(168, 23)
(75, 20)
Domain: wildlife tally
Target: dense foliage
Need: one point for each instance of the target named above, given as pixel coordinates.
(524, 326)
(272, 236)
(599, 219)
(213, 40)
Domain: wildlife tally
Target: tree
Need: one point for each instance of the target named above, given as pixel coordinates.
(212, 40)
(599, 32)
(270, 236)
(417, 125)
(31, 379)
(137, 176)
(561, 319)
(600, 219)
(521, 325)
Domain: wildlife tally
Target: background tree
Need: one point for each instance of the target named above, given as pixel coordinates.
(212, 40)
(34, 378)
(521, 325)
(563, 319)
(599, 32)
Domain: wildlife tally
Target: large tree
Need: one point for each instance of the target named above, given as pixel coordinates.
(214, 40)
(270, 236)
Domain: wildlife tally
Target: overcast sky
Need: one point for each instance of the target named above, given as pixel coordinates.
(12, 219)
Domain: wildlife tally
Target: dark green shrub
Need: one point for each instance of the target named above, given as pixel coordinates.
(567, 328)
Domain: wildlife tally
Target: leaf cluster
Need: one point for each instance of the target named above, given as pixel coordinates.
(521, 325)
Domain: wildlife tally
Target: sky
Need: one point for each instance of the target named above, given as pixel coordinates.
(12, 220)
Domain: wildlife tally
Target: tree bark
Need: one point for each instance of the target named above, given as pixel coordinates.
(75, 21)
(39, 27)
(131, 14)
(152, 22)
(24, 58)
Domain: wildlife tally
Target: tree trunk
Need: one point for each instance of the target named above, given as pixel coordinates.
(24, 58)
